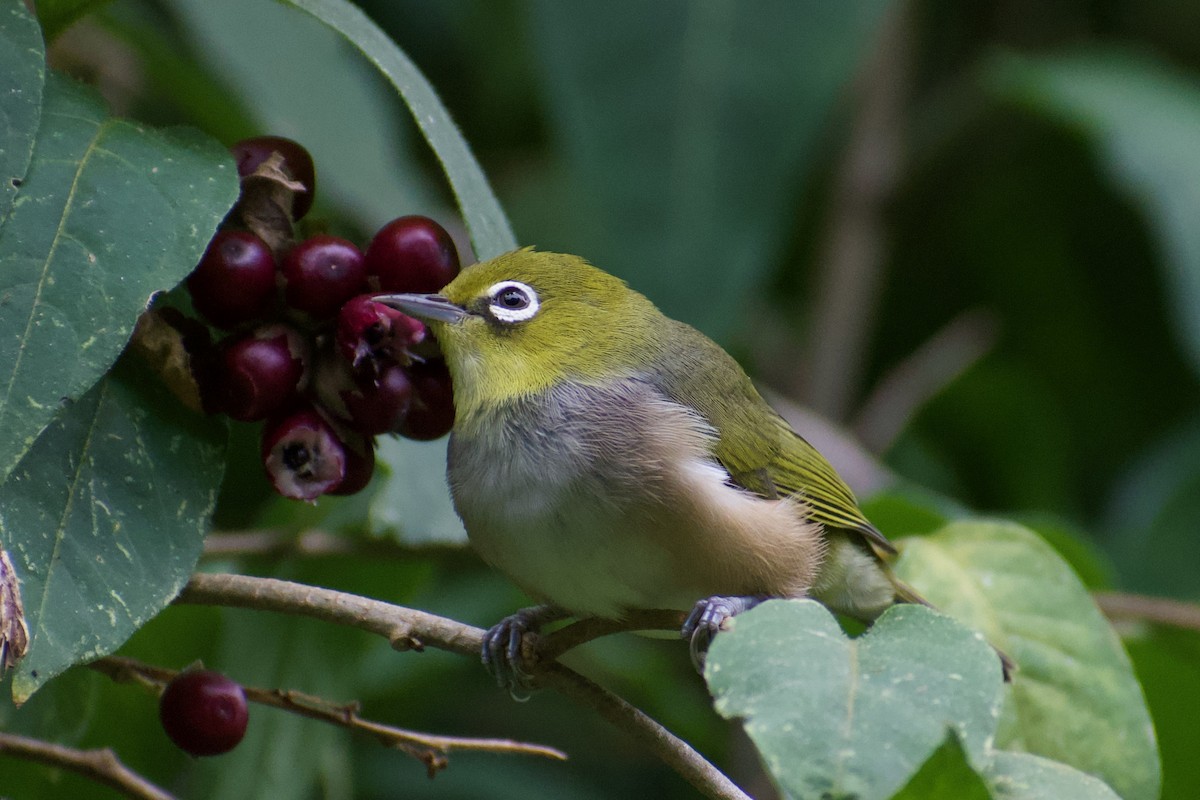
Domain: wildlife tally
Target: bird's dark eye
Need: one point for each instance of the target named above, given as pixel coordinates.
(512, 302)
(513, 298)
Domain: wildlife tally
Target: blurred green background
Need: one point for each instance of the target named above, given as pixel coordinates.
(967, 233)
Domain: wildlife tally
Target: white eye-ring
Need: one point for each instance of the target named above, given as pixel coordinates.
(512, 301)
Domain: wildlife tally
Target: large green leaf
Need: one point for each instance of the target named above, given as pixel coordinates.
(1074, 697)
(109, 214)
(1145, 122)
(413, 503)
(22, 72)
(105, 517)
(839, 717)
(490, 231)
(687, 128)
(1021, 776)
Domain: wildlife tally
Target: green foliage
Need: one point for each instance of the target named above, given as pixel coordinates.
(836, 717)
(1075, 697)
(80, 260)
(105, 517)
(22, 65)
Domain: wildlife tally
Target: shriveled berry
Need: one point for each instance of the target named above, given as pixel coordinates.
(321, 274)
(260, 373)
(303, 455)
(379, 405)
(203, 712)
(371, 335)
(412, 254)
(431, 415)
(235, 280)
(297, 163)
(360, 466)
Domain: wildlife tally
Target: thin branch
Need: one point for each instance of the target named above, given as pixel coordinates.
(313, 543)
(552, 645)
(101, 766)
(408, 628)
(427, 748)
(1160, 610)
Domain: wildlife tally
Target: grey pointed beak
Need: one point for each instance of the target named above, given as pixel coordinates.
(425, 307)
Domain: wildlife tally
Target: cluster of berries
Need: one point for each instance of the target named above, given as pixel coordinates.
(307, 351)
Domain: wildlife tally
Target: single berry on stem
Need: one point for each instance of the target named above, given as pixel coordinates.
(431, 415)
(203, 712)
(412, 254)
(303, 455)
(322, 273)
(371, 335)
(259, 373)
(235, 279)
(297, 162)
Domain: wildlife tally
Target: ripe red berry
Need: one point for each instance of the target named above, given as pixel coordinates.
(303, 456)
(431, 415)
(379, 405)
(259, 373)
(360, 466)
(371, 335)
(297, 163)
(412, 254)
(203, 712)
(235, 280)
(321, 274)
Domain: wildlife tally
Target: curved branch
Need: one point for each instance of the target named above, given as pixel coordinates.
(1160, 610)
(429, 749)
(101, 766)
(410, 629)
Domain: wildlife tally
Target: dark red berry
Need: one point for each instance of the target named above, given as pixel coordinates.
(431, 415)
(235, 280)
(371, 335)
(260, 373)
(360, 466)
(303, 456)
(321, 274)
(297, 163)
(203, 712)
(379, 405)
(412, 254)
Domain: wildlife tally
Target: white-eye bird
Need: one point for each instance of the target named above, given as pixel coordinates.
(606, 457)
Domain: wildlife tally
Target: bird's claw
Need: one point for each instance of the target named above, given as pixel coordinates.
(503, 654)
(708, 617)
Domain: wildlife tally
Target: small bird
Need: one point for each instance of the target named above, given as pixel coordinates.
(608, 458)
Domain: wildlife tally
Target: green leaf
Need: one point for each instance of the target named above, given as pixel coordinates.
(489, 228)
(109, 214)
(839, 717)
(22, 72)
(686, 128)
(1145, 122)
(1074, 697)
(413, 505)
(947, 775)
(58, 15)
(105, 518)
(1021, 776)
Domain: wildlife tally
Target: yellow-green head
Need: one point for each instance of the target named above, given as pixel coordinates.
(529, 320)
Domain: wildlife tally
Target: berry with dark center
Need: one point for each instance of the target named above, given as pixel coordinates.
(431, 415)
(303, 455)
(371, 335)
(259, 373)
(321, 274)
(203, 712)
(360, 466)
(297, 163)
(235, 280)
(379, 405)
(412, 254)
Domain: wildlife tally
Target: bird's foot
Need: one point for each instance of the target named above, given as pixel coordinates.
(502, 652)
(708, 616)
